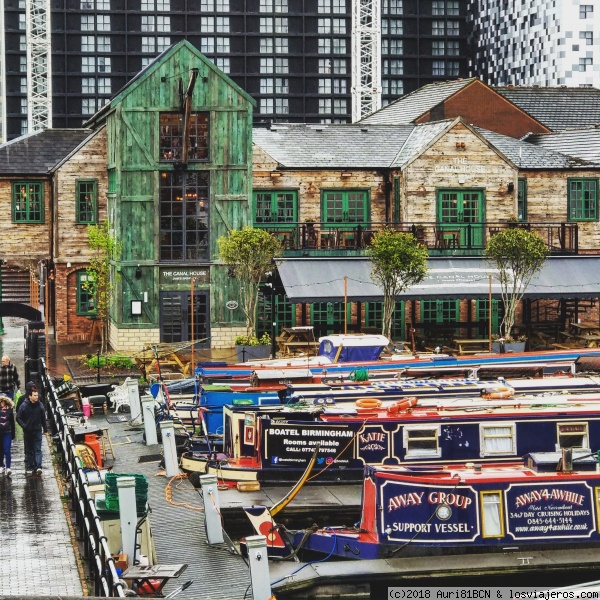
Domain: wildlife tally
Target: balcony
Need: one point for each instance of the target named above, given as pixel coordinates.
(441, 239)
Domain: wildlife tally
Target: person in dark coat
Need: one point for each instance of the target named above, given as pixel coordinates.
(31, 416)
(7, 434)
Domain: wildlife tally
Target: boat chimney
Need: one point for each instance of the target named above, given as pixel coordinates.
(565, 464)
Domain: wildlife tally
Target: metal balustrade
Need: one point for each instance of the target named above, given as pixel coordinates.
(440, 238)
(100, 566)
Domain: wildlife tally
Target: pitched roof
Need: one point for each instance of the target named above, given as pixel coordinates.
(410, 107)
(303, 146)
(557, 108)
(528, 156)
(360, 146)
(155, 64)
(39, 152)
(582, 143)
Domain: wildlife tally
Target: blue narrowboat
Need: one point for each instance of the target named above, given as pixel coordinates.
(549, 500)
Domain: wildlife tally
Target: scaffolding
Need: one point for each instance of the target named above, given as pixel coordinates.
(366, 57)
(39, 65)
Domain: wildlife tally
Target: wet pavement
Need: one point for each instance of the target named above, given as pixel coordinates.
(38, 558)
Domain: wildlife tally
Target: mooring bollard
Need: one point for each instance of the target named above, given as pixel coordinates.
(149, 420)
(259, 567)
(135, 407)
(127, 516)
(212, 511)
(167, 432)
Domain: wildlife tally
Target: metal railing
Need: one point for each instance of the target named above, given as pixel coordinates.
(99, 562)
(442, 238)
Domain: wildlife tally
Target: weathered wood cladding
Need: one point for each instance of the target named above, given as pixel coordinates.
(133, 151)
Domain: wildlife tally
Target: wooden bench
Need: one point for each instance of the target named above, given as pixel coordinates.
(288, 348)
(472, 346)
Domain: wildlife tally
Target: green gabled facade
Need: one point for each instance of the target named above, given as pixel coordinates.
(169, 215)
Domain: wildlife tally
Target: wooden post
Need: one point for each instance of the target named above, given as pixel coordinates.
(345, 304)
(192, 281)
(490, 315)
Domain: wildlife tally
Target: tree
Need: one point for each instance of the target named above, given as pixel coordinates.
(249, 252)
(105, 249)
(399, 261)
(518, 254)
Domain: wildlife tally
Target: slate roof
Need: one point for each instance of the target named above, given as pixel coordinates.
(303, 146)
(39, 152)
(410, 107)
(582, 143)
(528, 156)
(360, 146)
(558, 108)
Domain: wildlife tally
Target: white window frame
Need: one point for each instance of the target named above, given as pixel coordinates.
(485, 433)
(585, 434)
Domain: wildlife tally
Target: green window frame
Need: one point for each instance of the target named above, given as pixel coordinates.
(522, 199)
(340, 207)
(374, 318)
(86, 295)
(28, 202)
(582, 199)
(86, 201)
(274, 207)
(285, 312)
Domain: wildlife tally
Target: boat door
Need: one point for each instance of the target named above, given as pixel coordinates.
(462, 211)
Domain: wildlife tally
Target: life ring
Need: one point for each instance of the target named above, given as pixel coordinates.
(368, 403)
(402, 405)
(497, 393)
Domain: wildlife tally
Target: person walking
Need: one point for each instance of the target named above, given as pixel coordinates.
(31, 416)
(7, 433)
(9, 378)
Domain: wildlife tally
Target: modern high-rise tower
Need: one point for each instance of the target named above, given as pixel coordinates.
(536, 42)
(302, 60)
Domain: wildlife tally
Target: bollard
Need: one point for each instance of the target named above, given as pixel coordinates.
(149, 420)
(212, 512)
(259, 567)
(167, 431)
(135, 406)
(127, 516)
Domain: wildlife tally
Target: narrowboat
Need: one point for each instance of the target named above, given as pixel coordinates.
(275, 444)
(341, 354)
(550, 500)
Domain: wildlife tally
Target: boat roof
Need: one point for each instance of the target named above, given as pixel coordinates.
(356, 340)
(473, 473)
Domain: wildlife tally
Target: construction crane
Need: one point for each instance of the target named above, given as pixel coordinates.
(366, 57)
(39, 65)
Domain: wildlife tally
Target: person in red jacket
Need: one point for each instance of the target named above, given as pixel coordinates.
(7, 434)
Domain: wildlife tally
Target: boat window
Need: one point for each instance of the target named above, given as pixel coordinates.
(421, 441)
(498, 439)
(573, 435)
(492, 520)
(597, 496)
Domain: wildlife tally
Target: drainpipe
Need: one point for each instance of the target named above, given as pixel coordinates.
(388, 193)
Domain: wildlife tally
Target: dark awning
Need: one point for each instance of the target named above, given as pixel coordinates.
(322, 279)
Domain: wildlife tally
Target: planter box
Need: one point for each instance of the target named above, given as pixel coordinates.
(509, 347)
(246, 353)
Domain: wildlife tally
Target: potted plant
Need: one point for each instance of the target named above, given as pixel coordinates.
(510, 343)
(249, 252)
(250, 347)
(518, 254)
